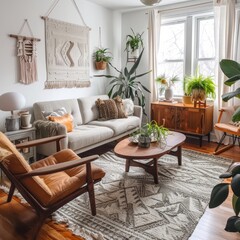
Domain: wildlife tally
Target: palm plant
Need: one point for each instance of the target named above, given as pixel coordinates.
(232, 70)
(126, 85)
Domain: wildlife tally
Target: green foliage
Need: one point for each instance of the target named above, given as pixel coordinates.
(152, 128)
(200, 82)
(134, 41)
(126, 85)
(232, 70)
(221, 191)
(102, 55)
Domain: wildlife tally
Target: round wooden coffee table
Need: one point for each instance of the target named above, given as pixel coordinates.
(131, 152)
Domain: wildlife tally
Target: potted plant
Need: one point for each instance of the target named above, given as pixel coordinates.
(187, 97)
(200, 87)
(133, 43)
(102, 56)
(166, 85)
(150, 132)
(221, 191)
(126, 84)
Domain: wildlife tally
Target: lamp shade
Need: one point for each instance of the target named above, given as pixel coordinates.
(11, 101)
(150, 2)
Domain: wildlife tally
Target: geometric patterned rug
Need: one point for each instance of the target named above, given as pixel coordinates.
(131, 206)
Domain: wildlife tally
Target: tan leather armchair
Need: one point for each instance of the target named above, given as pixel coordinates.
(51, 182)
(228, 129)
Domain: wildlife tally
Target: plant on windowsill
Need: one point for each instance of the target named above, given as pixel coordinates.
(166, 85)
(187, 97)
(134, 42)
(200, 87)
(102, 57)
(126, 84)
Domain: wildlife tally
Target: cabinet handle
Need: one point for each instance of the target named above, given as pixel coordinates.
(163, 122)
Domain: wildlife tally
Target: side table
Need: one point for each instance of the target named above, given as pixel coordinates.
(23, 135)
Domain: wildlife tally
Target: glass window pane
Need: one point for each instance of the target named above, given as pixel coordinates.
(171, 42)
(206, 38)
(206, 67)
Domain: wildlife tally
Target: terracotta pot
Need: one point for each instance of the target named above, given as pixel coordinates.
(101, 65)
(187, 100)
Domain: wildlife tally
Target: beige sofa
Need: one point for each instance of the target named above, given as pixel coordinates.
(88, 131)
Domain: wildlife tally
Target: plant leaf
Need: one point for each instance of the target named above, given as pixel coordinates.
(235, 184)
(236, 204)
(219, 195)
(236, 115)
(228, 96)
(229, 67)
(230, 226)
(232, 80)
(135, 65)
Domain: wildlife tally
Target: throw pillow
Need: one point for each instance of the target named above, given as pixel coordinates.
(58, 112)
(128, 106)
(119, 104)
(107, 109)
(66, 120)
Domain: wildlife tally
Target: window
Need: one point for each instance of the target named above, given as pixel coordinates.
(185, 45)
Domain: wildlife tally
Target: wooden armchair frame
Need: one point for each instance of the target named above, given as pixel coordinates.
(42, 211)
(228, 130)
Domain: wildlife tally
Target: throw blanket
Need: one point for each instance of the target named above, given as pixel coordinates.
(46, 128)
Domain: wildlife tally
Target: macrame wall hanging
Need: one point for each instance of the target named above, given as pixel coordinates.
(26, 51)
(67, 52)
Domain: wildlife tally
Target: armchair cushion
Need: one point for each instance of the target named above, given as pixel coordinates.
(61, 184)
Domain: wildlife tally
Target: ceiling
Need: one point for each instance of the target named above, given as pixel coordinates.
(129, 4)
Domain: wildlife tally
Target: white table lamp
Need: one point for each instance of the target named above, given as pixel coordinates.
(11, 101)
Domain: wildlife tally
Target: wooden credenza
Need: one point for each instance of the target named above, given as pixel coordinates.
(196, 121)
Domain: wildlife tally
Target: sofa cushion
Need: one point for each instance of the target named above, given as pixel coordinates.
(66, 120)
(88, 107)
(119, 125)
(71, 106)
(86, 135)
(107, 109)
(119, 103)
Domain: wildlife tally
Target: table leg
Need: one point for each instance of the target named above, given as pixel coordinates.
(127, 165)
(155, 170)
(179, 155)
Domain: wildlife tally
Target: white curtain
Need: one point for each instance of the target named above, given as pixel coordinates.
(154, 25)
(224, 17)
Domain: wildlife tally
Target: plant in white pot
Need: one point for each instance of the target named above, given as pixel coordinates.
(134, 42)
(166, 85)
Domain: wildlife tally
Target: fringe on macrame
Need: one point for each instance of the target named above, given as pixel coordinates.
(66, 84)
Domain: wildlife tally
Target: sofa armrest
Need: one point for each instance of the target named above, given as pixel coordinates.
(138, 113)
(48, 129)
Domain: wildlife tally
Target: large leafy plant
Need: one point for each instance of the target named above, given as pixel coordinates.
(220, 193)
(232, 70)
(127, 85)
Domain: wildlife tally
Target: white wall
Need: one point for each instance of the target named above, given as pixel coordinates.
(13, 13)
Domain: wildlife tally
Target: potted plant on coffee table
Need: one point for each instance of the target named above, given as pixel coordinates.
(102, 57)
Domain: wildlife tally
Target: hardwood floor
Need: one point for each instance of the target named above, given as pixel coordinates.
(14, 216)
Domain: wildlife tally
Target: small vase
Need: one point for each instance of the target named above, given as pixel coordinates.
(144, 141)
(169, 93)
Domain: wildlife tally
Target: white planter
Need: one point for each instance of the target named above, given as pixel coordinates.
(134, 54)
(169, 93)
